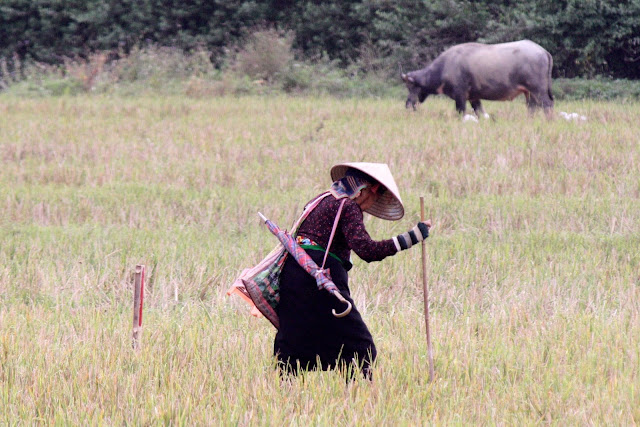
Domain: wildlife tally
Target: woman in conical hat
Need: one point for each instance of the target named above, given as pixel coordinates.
(309, 336)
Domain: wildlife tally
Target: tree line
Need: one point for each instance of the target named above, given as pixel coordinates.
(587, 38)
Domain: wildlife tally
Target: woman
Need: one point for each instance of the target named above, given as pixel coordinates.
(310, 337)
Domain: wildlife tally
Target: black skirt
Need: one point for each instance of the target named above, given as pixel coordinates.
(308, 330)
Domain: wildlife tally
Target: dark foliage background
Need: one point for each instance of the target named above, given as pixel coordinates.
(587, 38)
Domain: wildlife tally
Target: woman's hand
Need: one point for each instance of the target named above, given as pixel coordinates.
(416, 234)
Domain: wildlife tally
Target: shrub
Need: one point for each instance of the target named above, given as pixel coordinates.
(43, 80)
(160, 64)
(265, 55)
(598, 89)
(298, 78)
(86, 71)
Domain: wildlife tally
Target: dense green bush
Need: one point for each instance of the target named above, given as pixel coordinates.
(586, 37)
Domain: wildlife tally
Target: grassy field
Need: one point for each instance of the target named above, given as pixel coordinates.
(533, 262)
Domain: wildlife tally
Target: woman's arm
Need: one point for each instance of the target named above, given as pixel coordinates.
(359, 240)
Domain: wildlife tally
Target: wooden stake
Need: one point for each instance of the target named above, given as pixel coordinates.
(426, 296)
(138, 296)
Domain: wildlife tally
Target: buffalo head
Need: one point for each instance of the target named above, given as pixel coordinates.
(416, 92)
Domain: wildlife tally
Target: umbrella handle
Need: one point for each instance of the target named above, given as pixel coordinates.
(338, 295)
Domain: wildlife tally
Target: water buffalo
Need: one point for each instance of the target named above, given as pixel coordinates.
(475, 71)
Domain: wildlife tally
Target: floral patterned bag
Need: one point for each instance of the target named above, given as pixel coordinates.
(260, 285)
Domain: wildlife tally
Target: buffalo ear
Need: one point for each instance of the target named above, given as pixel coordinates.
(404, 77)
(411, 79)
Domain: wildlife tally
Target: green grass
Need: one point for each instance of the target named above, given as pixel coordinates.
(600, 88)
(533, 262)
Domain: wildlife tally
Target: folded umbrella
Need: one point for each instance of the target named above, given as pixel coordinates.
(321, 275)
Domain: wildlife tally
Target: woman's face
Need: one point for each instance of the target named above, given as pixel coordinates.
(368, 197)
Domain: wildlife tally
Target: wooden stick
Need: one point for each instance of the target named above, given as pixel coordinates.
(138, 297)
(426, 296)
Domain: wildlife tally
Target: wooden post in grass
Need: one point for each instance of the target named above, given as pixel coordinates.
(138, 296)
(426, 296)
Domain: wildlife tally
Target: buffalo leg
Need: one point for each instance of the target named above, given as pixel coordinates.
(547, 103)
(539, 99)
(479, 109)
(532, 102)
(461, 106)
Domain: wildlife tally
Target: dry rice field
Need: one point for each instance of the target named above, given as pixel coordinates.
(533, 262)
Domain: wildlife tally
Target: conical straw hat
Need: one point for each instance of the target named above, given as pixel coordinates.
(389, 205)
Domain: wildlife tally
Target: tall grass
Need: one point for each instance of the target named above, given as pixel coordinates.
(533, 262)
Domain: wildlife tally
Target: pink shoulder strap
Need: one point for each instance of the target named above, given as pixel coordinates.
(307, 210)
(333, 232)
